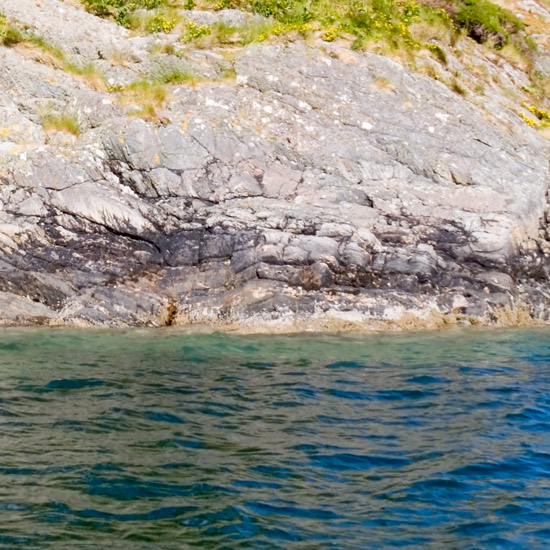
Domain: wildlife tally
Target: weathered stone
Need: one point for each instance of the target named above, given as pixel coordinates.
(21, 310)
(302, 192)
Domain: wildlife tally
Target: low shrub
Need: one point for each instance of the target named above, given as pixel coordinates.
(482, 20)
(121, 10)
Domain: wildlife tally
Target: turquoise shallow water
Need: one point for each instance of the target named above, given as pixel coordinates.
(160, 440)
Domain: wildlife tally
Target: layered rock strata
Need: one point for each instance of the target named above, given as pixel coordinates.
(321, 188)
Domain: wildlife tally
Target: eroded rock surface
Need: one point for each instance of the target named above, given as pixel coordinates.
(319, 189)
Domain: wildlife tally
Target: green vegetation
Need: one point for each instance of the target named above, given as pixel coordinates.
(145, 91)
(363, 21)
(193, 31)
(482, 20)
(160, 23)
(121, 10)
(61, 123)
(458, 88)
(145, 96)
(409, 28)
(9, 34)
(400, 24)
(391, 20)
(163, 20)
(541, 120)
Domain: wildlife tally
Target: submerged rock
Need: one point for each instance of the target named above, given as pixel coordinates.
(317, 190)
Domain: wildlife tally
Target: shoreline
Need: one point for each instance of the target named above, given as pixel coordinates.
(328, 325)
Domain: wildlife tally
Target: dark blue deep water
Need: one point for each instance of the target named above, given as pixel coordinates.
(165, 440)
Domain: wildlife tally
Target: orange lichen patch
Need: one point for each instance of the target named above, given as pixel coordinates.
(9, 130)
(185, 122)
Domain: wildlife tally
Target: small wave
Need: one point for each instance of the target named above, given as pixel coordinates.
(141, 444)
(397, 395)
(161, 416)
(349, 461)
(346, 365)
(73, 383)
(169, 512)
(427, 380)
(130, 488)
(264, 508)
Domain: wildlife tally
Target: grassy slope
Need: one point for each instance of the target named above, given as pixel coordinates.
(409, 29)
(431, 36)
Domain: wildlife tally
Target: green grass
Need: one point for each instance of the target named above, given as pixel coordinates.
(61, 123)
(9, 34)
(173, 76)
(44, 45)
(482, 20)
(404, 26)
(146, 91)
(390, 20)
(122, 10)
(364, 20)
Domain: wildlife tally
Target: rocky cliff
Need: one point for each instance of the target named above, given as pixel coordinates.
(287, 183)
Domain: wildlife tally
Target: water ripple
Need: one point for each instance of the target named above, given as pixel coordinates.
(151, 439)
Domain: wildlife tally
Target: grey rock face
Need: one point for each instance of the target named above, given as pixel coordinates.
(306, 194)
(80, 33)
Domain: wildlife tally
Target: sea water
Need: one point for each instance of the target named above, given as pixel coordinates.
(161, 439)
